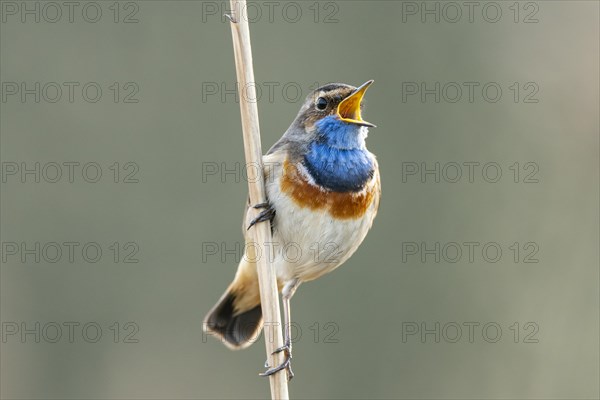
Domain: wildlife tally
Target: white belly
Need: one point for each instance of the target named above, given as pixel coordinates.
(310, 243)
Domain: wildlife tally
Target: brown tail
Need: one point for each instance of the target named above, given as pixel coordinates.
(237, 317)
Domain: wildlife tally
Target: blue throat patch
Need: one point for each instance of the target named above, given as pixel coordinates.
(338, 160)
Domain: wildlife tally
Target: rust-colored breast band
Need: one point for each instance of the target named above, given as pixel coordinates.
(348, 205)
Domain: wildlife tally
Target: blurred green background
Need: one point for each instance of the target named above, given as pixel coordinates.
(171, 118)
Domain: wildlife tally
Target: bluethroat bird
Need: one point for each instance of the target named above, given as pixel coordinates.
(323, 192)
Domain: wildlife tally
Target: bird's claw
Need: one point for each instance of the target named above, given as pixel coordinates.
(266, 215)
(261, 205)
(286, 364)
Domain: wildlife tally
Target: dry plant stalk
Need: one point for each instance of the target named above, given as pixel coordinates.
(269, 295)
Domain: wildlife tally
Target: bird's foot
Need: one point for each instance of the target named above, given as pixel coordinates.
(286, 364)
(266, 215)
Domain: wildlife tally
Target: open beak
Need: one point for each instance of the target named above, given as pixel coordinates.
(349, 109)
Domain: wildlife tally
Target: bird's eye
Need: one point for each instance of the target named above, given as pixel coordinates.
(321, 103)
